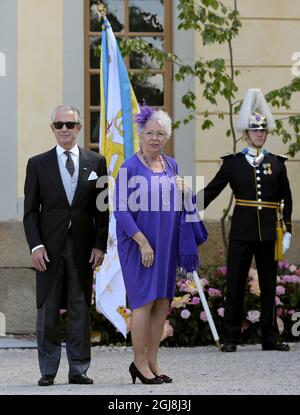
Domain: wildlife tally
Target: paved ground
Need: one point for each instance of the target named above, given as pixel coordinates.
(196, 371)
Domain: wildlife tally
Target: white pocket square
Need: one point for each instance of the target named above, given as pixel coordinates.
(93, 176)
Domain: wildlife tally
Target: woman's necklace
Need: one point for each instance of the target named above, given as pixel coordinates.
(165, 200)
(148, 164)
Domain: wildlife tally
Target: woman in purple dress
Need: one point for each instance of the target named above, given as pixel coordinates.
(147, 211)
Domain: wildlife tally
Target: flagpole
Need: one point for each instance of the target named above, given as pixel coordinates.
(207, 310)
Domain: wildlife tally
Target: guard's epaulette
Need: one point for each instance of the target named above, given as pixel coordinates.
(280, 156)
(226, 156)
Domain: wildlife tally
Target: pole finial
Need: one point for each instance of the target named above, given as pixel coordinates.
(101, 10)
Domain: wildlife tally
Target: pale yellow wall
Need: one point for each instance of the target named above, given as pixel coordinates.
(262, 52)
(40, 76)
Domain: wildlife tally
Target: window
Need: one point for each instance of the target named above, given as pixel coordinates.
(146, 19)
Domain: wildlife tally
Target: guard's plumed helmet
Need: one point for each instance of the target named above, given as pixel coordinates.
(255, 113)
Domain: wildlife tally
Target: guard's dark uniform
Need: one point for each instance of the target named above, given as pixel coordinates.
(253, 232)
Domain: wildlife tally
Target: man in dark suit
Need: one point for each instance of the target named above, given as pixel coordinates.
(260, 185)
(67, 236)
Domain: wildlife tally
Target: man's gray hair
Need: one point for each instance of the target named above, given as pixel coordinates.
(66, 108)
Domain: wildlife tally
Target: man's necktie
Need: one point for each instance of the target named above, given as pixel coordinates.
(69, 163)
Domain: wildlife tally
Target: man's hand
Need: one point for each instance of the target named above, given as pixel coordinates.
(97, 257)
(38, 258)
(286, 242)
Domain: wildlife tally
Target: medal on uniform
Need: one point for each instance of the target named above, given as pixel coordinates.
(267, 168)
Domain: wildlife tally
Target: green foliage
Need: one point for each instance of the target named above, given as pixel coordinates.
(217, 24)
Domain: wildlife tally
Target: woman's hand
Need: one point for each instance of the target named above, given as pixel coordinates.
(147, 254)
(182, 185)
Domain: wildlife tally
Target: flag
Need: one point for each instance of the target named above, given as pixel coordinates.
(118, 140)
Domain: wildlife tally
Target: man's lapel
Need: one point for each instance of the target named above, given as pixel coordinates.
(83, 173)
(52, 169)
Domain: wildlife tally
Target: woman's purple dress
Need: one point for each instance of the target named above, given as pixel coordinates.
(160, 227)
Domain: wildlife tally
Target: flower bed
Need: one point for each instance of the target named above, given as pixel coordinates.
(187, 324)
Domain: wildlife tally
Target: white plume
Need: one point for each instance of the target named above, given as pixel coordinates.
(254, 101)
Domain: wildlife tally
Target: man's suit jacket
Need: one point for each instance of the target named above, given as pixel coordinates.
(268, 182)
(47, 216)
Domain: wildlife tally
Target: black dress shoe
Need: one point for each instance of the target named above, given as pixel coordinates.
(280, 347)
(228, 347)
(80, 379)
(46, 380)
(165, 378)
(135, 373)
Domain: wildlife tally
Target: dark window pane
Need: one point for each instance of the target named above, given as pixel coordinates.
(95, 125)
(95, 90)
(95, 51)
(115, 15)
(141, 61)
(146, 16)
(149, 89)
(95, 45)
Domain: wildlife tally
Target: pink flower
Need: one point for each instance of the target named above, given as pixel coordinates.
(280, 325)
(253, 316)
(185, 313)
(195, 300)
(280, 290)
(283, 265)
(223, 270)
(293, 268)
(204, 282)
(167, 331)
(203, 316)
(291, 312)
(277, 301)
(62, 311)
(292, 278)
(295, 279)
(279, 312)
(214, 292)
(220, 311)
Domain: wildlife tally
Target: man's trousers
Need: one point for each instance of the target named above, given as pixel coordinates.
(240, 254)
(78, 320)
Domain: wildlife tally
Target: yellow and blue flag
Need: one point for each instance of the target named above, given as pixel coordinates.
(117, 142)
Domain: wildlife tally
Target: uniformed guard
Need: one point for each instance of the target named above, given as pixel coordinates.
(261, 222)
